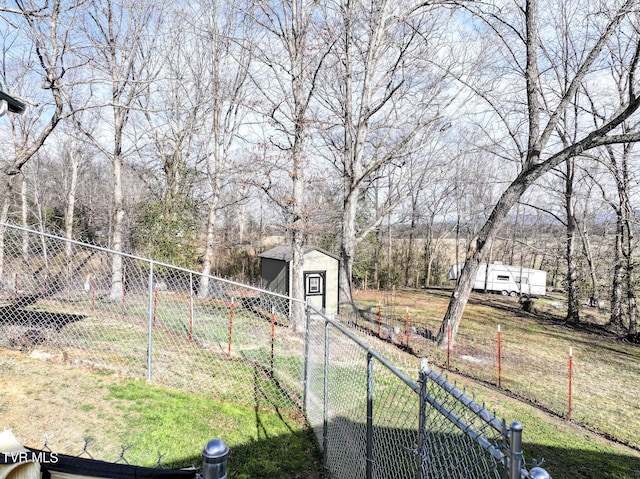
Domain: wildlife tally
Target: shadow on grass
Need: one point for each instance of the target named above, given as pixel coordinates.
(274, 457)
(269, 458)
(10, 316)
(291, 453)
(267, 437)
(576, 463)
(32, 327)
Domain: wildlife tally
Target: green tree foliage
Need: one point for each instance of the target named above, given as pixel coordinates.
(166, 232)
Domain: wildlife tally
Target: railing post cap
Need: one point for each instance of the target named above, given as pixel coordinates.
(215, 451)
(424, 365)
(516, 426)
(538, 473)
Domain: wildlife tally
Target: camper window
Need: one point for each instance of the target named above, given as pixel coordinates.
(502, 277)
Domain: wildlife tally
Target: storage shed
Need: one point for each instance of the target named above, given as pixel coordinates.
(320, 271)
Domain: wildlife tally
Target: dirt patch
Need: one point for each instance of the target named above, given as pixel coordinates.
(45, 400)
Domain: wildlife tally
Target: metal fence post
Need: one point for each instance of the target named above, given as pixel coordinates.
(150, 328)
(214, 460)
(369, 415)
(305, 380)
(325, 401)
(191, 299)
(422, 416)
(515, 451)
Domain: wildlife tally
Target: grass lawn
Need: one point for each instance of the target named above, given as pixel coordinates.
(569, 450)
(70, 405)
(45, 395)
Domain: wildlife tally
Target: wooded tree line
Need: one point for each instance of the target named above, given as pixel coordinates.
(402, 136)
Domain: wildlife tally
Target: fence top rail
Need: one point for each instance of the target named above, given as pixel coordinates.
(474, 435)
(480, 411)
(461, 397)
(139, 258)
(366, 348)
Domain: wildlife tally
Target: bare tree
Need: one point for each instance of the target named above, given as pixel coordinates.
(36, 75)
(225, 37)
(618, 159)
(570, 185)
(573, 307)
(291, 61)
(73, 160)
(171, 152)
(419, 181)
(121, 37)
(624, 308)
(425, 189)
(588, 219)
(521, 36)
(384, 106)
(437, 205)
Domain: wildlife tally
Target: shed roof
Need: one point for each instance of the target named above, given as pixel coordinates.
(285, 252)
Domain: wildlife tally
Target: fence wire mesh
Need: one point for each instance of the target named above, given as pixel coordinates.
(373, 421)
(150, 324)
(339, 403)
(152, 320)
(461, 438)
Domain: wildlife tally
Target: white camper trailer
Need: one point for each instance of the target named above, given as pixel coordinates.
(507, 279)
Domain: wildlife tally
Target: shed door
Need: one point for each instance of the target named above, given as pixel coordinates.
(315, 288)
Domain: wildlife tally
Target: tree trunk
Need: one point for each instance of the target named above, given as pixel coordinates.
(297, 224)
(409, 258)
(117, 275)
(632, 306)
(297, 229)
(216, 185)
(25, 216)
(429, 252)
(616, 317)
(348, 248)
(4, 217)
(594, 296)
(458, 272)
(203, 288)
(573, 306)
(477, 251)
(69, 211)
(573, 309)
(627, 251)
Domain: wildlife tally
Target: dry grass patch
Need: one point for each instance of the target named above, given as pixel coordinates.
(534, 353)
(43, 399)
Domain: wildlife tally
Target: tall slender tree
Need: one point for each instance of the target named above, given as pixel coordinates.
(291, 58)
(121, 38)
(624, 308)
(385, 105)
(522, 36)
(226, 38)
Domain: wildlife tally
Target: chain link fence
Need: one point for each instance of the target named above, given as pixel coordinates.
(151, 324)
(373, 421)
(146, 321)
